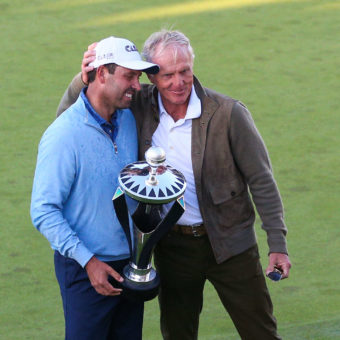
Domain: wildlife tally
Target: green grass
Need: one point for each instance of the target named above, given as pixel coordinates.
(281, 58)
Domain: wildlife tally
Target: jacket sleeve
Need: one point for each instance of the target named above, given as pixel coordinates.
(71, 94)
(252, 158)
(54, 175)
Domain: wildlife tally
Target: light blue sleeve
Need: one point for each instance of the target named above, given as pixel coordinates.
(54, 176)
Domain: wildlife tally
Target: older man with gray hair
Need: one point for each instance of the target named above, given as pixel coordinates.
(212, 139)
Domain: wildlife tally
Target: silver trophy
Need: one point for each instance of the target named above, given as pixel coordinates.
(145, 187)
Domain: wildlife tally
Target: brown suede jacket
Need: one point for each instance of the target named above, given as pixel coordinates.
(229, 160)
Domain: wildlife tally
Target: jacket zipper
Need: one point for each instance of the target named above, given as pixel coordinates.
(106, 134)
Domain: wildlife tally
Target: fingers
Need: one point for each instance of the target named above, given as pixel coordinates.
(92, 46)
(104, 287)
(89, 56)
(284, 267)
(98, 273)
(271, 265)
(281, 262)
(86, 68)
(269, 269)
(115, 275)
(112, 290)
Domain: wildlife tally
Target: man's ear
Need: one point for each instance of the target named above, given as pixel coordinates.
(101, 74)
(151, 78)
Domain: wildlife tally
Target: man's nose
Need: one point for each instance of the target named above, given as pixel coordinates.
(178, 80)
(136, 85)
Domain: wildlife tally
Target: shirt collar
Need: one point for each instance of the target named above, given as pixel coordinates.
(194, 106)
(99, 119)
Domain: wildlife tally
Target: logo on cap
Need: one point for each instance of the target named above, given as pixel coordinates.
(109, 55)
(131, 48)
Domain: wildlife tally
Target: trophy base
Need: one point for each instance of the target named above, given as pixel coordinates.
(140, 291)
(137, 288)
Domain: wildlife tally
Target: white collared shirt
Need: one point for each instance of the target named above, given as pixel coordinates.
(175, 139)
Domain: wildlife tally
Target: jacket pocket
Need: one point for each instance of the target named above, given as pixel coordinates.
(231, 204)
(221, 193)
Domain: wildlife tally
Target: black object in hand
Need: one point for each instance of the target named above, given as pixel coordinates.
(275, 275)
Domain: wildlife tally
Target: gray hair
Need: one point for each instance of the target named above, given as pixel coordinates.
(159, 41)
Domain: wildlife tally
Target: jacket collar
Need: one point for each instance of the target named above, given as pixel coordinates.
(208, 105)
(199, 131)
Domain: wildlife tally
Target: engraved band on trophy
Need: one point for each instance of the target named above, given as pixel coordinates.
(146, 186)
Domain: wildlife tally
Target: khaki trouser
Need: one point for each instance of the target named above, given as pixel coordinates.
(185, 263)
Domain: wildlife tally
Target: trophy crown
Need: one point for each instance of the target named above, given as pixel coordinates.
(155, 156)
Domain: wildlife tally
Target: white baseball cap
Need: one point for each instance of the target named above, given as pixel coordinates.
(122, 52)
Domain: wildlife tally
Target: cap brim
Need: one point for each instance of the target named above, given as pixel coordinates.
(140, 65)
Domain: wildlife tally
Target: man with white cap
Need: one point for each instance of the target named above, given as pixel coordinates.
(79, 159)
